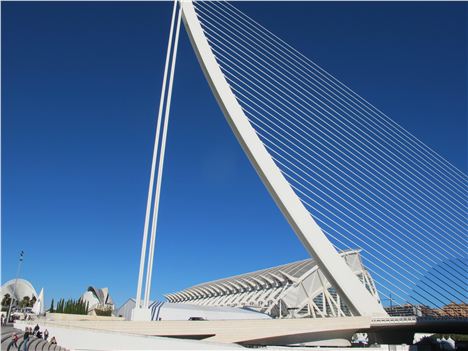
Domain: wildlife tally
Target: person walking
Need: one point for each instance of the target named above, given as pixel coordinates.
(53, 341)
(15, 340)
(26, 339)
(46, 334)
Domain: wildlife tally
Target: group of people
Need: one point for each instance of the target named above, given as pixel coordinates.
(28, 332)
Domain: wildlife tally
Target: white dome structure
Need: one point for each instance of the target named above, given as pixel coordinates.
(23, 288)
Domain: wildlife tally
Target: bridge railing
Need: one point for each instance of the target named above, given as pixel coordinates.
(393, 320)
(414, 319)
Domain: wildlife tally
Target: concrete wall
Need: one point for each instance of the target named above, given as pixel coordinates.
(265, 332)
(80, 317)
(75, 338)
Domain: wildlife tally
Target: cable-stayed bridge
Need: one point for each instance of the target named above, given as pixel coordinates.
(343, 173)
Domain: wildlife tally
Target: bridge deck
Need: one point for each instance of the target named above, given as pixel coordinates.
(276, 331)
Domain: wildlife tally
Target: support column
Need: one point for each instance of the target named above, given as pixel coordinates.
(141, 310)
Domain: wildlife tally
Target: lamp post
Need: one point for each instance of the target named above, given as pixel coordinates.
(21, 257)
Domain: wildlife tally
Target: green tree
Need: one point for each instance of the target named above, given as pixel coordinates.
(25, 302)
(71, 306)
(32, 301)
(60, 304)
(66, 308)
(6, 300)
(51, 309)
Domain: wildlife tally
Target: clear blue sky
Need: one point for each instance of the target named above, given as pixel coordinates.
(80, 86)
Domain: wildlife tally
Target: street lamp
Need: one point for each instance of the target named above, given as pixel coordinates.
(21, 257)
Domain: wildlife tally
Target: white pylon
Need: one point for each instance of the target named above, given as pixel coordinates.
(149, 270)
(141, 311)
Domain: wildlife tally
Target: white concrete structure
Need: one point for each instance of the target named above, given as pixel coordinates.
(324, 154)
(178, 311)
(23, 288)
(358, 299)
(141, 311)
(98, 299)
(166, 311)
(127, 308)
(260, 332)
(294, 290)
(85, 338)
(38, 307)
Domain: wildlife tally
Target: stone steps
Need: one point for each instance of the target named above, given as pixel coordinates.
(35, 344)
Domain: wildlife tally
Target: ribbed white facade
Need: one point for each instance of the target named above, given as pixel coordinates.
(294, 290)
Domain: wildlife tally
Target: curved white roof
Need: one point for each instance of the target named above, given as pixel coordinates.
(280, 274)
(97, 297)
(297, 289)
(91, 299)
(23, 288)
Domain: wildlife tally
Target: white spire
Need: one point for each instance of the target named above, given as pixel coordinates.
(38, 307)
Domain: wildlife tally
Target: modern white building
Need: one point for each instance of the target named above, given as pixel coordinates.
(126, 309)
(23, 288)
(293, 290)
(182, 312)
(98, 299)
